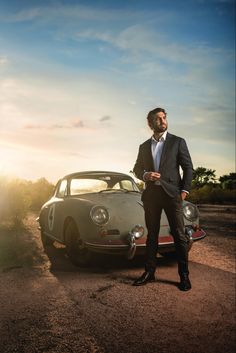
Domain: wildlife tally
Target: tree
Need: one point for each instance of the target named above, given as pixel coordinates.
(19, 196)
(203, 176)
(14, 202)
(228, 181)
(40, 191)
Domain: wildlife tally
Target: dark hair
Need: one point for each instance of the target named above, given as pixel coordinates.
(152, 114)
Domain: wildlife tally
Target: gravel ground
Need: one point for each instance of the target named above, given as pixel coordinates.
(48, 305)
(218, 248)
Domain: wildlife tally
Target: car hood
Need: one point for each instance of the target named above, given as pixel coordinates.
(115, 200)
(105, 198)
(125, 209)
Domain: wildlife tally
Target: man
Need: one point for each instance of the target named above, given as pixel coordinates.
(158, 163)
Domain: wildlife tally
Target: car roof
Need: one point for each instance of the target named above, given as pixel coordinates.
(94, 172)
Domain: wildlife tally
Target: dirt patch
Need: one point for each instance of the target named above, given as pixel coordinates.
(21, 247)
(50, 306)
(218, 248)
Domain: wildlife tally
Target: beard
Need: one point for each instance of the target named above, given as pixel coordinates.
(159, 128)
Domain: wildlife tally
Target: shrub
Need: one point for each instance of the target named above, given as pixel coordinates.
(17, 197)
(212, 194)
(39, 192)
(14, 202)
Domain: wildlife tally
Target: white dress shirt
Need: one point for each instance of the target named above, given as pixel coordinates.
(157, 147)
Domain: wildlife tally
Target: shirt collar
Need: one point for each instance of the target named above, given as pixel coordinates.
(163, 137)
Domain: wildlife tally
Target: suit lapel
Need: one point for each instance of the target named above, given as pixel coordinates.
(148, 154)
(165, 148)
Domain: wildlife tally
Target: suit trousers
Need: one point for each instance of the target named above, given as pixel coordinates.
(155, 199)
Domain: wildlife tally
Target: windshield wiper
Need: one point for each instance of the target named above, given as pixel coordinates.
(114, 190)
(120, 190)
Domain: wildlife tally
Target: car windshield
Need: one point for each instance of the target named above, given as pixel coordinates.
(102, 184)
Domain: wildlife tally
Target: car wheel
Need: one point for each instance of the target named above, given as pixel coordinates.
(46, 240)
(78, 254)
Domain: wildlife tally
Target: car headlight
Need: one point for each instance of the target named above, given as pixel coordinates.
(190, 212)
(137, 231)
(99, 215)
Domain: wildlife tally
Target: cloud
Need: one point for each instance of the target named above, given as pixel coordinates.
(143, 40)
(69, 12)
(4, 60)
(153, 51)
(73, 124)
(206, 129)
(24, 15)
(132, 102)
(77, 124)
(132, 39)
(39, 148)
(105, 118)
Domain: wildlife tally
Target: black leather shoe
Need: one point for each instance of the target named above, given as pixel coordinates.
(185, 283)
(144, 279)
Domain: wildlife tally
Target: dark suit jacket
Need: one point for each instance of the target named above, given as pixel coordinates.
(175, 154)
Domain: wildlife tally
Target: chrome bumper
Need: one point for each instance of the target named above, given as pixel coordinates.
(132, 246)
(129, 247)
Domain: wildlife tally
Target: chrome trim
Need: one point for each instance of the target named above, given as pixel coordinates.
(166, 243)
(116, 246)
(132, 246)
(126, 246)
(189, 231)
(191, 219)
(131, 233)
(103, 207)
(51, 236)
(105, 246)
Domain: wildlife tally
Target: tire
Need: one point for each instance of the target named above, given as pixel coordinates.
(46, 240)
(78, 254)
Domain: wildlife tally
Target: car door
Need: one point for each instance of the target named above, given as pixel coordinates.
(54, 219)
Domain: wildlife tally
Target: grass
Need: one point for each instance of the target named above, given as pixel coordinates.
(17, 247)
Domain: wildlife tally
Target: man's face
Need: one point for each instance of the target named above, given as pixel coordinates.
(159, 123)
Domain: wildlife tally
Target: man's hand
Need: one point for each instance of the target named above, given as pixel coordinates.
(152, 176)
(183, 195)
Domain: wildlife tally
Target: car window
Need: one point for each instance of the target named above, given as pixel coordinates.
(83, 186)
(125, 184)
(62, 189)
(116, 186)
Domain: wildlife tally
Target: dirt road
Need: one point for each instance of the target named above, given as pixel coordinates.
(48, 305)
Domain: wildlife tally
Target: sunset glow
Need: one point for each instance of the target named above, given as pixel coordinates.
(79, 77)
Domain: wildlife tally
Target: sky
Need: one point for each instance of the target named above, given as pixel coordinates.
(78, 78)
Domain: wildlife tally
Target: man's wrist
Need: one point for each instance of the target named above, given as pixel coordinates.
(144, 176)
